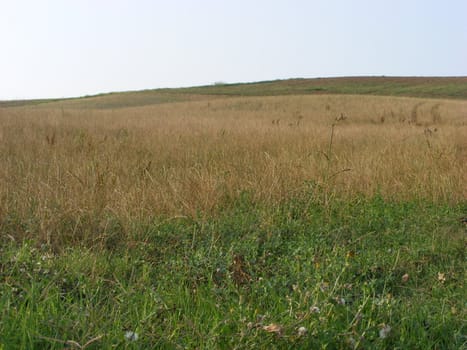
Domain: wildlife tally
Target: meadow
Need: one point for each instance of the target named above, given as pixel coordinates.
(200, 220)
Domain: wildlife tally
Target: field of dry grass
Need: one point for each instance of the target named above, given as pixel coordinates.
(179, 221)
(66, 165)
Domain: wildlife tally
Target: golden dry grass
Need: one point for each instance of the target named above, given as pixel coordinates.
(193, 157)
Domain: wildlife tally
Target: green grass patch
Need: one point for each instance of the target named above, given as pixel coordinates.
(386, 86)
(363, 274)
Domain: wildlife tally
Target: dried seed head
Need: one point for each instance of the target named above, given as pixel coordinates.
(273, 328)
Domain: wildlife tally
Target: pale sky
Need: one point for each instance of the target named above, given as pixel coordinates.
(63, 48)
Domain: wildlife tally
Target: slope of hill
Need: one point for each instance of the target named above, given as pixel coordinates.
(222, 217)
(430, 87)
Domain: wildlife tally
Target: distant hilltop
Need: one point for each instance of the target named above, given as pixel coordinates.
(428, 87)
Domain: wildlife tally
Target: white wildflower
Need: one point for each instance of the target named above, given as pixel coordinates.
(384, 332)
(131, 336)
(315, 310)
(302, 331)
(340, 301)
(405, 278)
(441, 277)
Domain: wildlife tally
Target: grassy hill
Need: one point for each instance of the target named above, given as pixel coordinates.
(428, 87)
(296, 214)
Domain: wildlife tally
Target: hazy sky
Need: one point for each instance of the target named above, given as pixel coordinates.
(58, 48)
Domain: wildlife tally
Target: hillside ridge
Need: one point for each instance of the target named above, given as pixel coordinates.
(427, 87)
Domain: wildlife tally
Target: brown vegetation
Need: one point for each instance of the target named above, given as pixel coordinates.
(74, 165)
